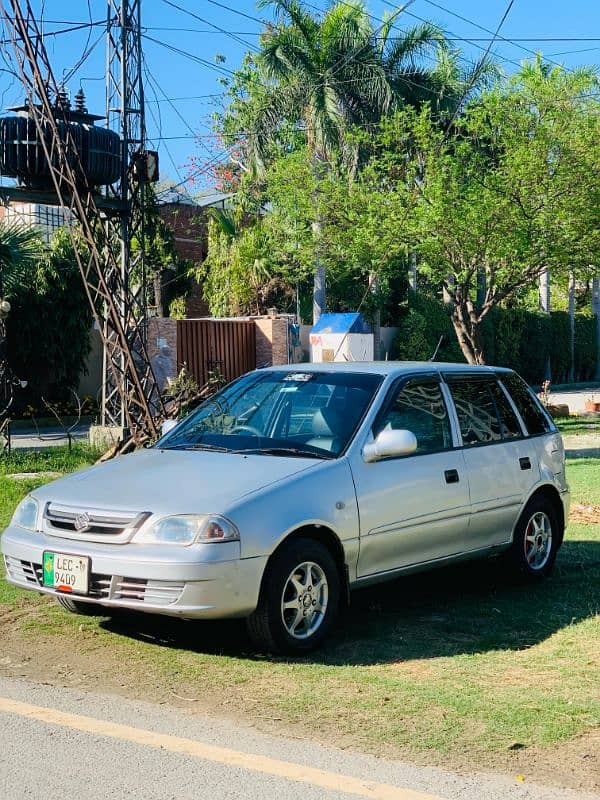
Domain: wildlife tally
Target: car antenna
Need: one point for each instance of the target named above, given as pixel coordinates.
(439, 344)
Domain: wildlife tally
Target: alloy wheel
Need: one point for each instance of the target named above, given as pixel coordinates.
(538, 540)
(304, 600)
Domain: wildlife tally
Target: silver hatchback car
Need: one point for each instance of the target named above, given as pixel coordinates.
(294, 485)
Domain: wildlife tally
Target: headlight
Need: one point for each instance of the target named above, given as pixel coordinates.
(187, 529)
(26, 513)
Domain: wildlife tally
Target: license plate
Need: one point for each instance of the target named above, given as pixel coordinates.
(66, 573)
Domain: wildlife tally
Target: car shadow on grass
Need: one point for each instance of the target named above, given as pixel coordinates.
(465, 609)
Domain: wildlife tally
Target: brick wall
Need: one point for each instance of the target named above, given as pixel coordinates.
(189, 224)
(271, 341)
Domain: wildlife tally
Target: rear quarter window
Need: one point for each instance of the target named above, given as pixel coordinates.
(529, 407)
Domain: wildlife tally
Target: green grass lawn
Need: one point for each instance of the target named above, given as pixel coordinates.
(458, 662)
(570, 426)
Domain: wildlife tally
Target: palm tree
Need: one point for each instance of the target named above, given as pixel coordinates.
(332, 73)
(20, 250)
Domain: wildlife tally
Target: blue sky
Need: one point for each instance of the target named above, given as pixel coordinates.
(186, 81)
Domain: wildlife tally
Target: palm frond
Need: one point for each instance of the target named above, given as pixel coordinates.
(413, 45)
(285, 56)
(225, 220)
(21, 249)
(295, 13)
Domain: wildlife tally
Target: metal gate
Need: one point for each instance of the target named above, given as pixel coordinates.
(213, 346)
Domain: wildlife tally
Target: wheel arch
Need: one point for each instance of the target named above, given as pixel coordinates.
(550, 493)
(325, 536)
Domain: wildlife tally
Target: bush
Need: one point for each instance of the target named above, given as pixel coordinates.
(423, 322)
(560, 347)
(48, 328)
(511, 337)
(586, 347)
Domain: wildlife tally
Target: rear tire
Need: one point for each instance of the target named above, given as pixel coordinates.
(536, 541)
(81, 607)
(299, 599)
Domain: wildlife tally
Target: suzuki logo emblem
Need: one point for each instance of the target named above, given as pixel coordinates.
(82, 522)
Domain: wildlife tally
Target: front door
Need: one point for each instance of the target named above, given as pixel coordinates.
(413, 509)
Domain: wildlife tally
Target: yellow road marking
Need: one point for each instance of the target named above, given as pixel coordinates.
(331, 781)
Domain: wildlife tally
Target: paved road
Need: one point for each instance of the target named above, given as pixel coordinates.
(58, 742)
(31, 439)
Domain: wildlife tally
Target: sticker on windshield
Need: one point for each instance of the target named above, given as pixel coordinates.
(299, 377)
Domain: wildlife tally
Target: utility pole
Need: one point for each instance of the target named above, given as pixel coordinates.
(107, 224)
(125, 114)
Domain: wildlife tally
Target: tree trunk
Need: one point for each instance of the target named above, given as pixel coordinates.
(466, 327)
(319, 285)
(546, 305)
(571, 327)
(596, 313)
(158, 293)
(412, 271)
(374, 283)
(544, 289)
(320, 279)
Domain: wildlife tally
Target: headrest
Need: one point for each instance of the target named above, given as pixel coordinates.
(326, 422)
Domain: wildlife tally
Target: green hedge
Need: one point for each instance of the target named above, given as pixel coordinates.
(511, 337)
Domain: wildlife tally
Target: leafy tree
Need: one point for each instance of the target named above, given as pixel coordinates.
(323, 76)
(510, 193)
(49, 323)
(168, 273)
(20, 250)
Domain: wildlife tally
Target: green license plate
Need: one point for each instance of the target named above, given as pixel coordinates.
(66, 573)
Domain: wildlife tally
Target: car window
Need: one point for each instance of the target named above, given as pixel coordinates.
(476, 411)
(527, 404)
(419, 407)
(510, 427)
(281, 413)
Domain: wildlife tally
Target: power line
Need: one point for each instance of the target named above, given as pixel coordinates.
(216, 27)
(239, 13)
(485, 30)
(202, 61)
(158, 121)
(205, 168)
(188, 97)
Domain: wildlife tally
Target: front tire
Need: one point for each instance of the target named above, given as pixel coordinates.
(536, 541)
(299, 599)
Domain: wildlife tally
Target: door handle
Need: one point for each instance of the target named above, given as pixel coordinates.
(451, 476)
(525, 462)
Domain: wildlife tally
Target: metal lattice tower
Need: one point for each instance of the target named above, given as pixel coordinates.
(125, 114)
(114, 281)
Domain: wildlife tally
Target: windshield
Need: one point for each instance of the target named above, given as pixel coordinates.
(312, 414)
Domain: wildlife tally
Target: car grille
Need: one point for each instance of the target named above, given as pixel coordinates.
(104, 587)
(91, 525)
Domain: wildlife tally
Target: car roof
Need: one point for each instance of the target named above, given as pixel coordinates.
(387, 367)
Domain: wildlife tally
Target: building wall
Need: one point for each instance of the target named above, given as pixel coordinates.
(189, 224)
(47, 219)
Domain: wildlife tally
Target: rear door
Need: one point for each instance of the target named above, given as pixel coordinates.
(501, 463)
(415, 508)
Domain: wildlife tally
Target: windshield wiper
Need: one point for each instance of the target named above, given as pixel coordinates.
(200, 446)
(289, 451)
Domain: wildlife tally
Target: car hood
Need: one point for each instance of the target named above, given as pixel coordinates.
(172, 481)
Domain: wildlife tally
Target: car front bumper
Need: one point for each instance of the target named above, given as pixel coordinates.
(208, 581)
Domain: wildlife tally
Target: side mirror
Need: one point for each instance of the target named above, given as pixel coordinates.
(168, 425)
(390, 443)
